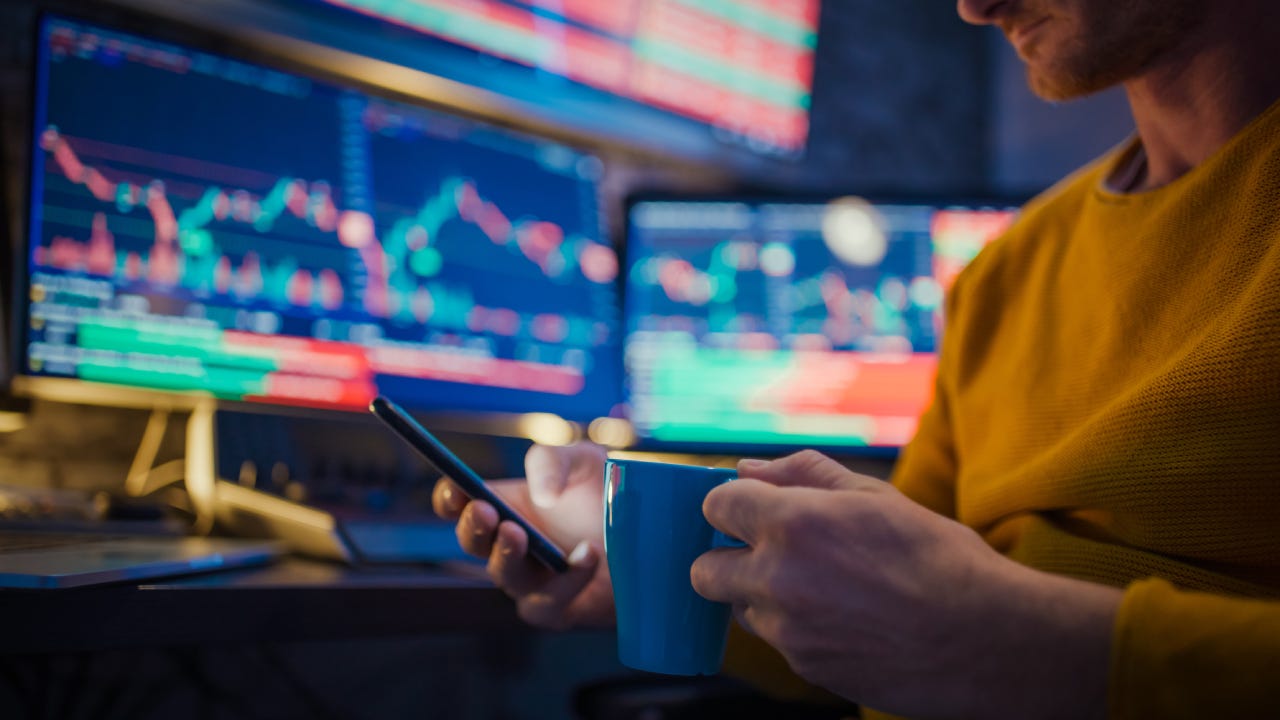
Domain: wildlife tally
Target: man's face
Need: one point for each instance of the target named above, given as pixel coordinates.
(1076, 47)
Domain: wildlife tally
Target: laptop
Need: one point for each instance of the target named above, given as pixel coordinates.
(48, 560)
(41, 559)
(47, 541)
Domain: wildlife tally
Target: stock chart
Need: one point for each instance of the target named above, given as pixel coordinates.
(201, 223)
(790, 323)
(744, 68)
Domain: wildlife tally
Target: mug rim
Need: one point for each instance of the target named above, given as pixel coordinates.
(633, 461)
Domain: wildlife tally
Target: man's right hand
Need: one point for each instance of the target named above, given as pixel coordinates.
(563, 496)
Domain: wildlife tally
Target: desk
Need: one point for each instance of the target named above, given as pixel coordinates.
(217, 645)
(291, 600)
(298, 638)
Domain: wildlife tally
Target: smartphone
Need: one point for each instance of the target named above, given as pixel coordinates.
(430, 447)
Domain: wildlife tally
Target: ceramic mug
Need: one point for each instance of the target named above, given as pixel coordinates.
(653, 531)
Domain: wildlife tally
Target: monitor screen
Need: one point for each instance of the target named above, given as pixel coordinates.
(201, 223)
(784, 323)
(742, 70)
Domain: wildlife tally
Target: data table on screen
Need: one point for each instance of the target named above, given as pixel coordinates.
(743, 68)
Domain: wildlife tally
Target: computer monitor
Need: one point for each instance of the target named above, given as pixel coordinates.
(202, 224)
(766, 324)
(662, 74)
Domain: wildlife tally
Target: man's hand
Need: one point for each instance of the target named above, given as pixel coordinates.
(563, 496)
(879, 599)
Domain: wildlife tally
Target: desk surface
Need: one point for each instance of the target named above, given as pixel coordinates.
(290, 600)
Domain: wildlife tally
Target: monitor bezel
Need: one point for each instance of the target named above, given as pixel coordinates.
(22, 383)
(755, 197)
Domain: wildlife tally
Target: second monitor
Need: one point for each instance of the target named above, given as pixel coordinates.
(776, 323)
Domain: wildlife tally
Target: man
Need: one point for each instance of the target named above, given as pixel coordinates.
(1088, 521)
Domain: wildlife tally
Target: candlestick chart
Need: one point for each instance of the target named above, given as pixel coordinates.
(183, 248)
(790, 323)
(293, 259)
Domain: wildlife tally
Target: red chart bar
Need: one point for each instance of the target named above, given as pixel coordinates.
(305, 356)
(616, 17)
(804, 12)
(662, 86)
(855, 384)
(312, 391)
(597, 60)
(489, 372)
(495, 12)
(728, 43)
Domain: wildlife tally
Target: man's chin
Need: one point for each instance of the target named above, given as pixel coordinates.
(1061, 87)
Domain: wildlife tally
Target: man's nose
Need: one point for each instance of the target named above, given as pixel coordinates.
(982, 12)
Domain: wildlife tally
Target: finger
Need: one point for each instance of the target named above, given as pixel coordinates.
(722, 576)
(447, 499)
(807, 468)
(741, 508)
(476, 528)
(510, 567)
(549, 605)
(549, 469)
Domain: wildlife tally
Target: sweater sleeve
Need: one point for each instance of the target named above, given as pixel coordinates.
(1180, 654)
(926, 468)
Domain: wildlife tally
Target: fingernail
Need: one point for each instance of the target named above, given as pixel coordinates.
(751, 464)
(578, 557)
(446, 494)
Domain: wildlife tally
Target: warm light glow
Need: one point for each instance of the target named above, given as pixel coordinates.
(611, 432)
(854, 232)
(547, 429)
(12, 421)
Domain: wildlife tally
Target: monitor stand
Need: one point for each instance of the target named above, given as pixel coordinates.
(237, 508)
(234, 508)
(196, 470)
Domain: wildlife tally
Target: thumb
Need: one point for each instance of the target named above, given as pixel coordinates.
(550, 470)
(547, 470)
(807, 468)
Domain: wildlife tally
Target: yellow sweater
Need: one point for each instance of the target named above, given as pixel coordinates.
(1108, 408)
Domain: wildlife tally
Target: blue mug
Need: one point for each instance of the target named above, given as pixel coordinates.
(653, 531)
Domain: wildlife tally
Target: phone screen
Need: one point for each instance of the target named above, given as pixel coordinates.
(430, 447)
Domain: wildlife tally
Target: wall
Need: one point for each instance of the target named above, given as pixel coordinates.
(1034, 143)
(899, 99)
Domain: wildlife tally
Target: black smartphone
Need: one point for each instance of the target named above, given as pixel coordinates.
(430, 447)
